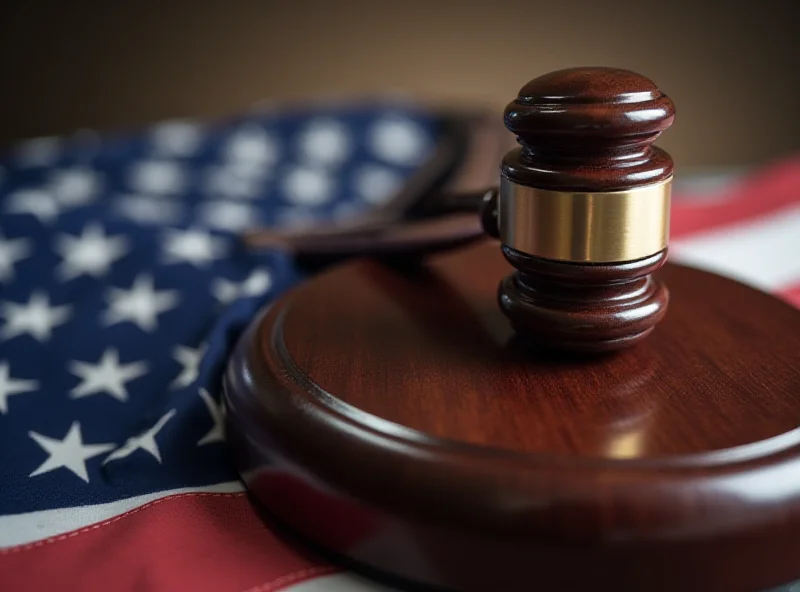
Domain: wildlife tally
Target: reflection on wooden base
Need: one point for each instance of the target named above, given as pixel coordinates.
(395, 419)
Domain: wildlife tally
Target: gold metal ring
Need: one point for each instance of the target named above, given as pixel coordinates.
(600, 227)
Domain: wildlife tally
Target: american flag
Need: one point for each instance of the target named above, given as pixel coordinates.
(123, 287)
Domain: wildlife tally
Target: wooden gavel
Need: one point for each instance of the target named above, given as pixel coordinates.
(581, 211)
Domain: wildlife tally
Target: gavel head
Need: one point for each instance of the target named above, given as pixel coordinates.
(583, 209)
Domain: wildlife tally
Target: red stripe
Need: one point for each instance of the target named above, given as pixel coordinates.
(760, 194)
(197, 542)
(791, 294)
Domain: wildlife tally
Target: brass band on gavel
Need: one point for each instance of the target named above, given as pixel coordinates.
(590, 227)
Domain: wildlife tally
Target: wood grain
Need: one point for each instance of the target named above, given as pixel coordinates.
(583, 308)
(452, 454)
(586, 130)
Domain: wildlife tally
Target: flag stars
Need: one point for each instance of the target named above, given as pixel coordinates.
(145, 441)
(92, 253)
(69, 453)
(308, 186)
(148, 210)
(216, 433)
(194, 246)
(38, 152)
(252, 144)
(107, 376)
(158, 177)
(12, 386)
(36, 318)
(12, 251)
(38, 203)
(240, 180)
(76, 186)
(377, 185)
(140, 305)
(177, 138)
(229, 216)
(256, 284)
(399, 141)
(325, 142)
(190, 359)
(296, 218)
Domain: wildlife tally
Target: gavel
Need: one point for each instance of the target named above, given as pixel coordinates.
(581, 211)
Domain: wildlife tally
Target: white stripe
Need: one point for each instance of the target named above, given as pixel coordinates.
(707, 186)
(762, 252)
(19, 529)
(340, 582)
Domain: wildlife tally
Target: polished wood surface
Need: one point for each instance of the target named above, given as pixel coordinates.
(583, 308)
(586, 130)
(402, 403)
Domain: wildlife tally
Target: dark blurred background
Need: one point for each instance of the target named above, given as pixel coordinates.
(732, 70)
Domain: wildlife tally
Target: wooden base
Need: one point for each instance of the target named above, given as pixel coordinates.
(393, 418)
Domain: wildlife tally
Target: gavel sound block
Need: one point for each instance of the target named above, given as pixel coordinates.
(562, 410)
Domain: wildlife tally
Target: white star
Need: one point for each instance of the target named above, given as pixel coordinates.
(306, 186)
(11, 251)
(36, 202)
(36, 317)
(176, 138)
(377, 184)
(158, 177)
(141, 304)
(190, 360)
(216, 433)
(256, 284)
(11, 386)
(76, 186)
(228, 215)
(296, 218)
(325, 142)
(193, 246)
(92, 253)
(107, 376)
(70, 453)
(241, 179)
(252, 170)
(399, 141)
(145, 441)
(85, 144)
(148, 210)
(38, 152)
(252, 144)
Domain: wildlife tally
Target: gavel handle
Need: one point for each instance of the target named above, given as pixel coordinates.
(447, 221)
